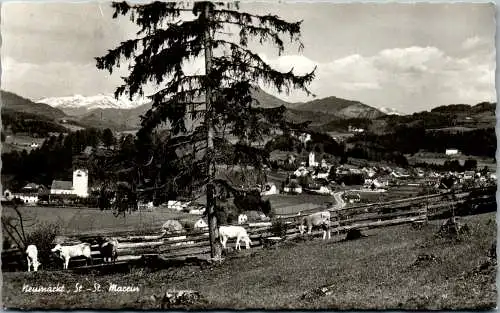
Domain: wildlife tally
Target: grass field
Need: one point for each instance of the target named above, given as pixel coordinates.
(289, 204)
(77, 220)
(440, 158)
(376, 272)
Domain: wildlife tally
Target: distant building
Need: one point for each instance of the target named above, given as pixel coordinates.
(7, 195)
(452, 151)
(79, 186)
(312, 160)
(304, 138)
(81, 182)
(61, 187)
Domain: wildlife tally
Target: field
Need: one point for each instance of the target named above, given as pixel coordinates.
(77, 220)
(289, 204)
(19, 143)
(440, 158)
(376, 272)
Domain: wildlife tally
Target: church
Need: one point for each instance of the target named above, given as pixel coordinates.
(79, 186)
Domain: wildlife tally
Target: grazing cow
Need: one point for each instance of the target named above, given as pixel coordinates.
(238, 232)
(242, 219)
(32, 257)
(67, 252)
(319, 219)
(109, 250)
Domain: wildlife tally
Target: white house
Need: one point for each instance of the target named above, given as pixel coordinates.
(297, 189)
(451, 151)
(301, 171)
(304, 138)
(27, 198)
(270, 189)
(177, 205)
(312, 161)
(7, 194)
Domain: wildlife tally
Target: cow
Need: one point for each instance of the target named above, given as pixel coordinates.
(238, 232)
(32, 256)
(67, 252)
(109, 250)
(318, 219)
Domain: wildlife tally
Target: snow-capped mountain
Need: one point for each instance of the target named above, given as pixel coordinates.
(79, 105)
(390, 111)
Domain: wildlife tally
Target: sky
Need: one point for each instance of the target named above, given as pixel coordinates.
(409, 57)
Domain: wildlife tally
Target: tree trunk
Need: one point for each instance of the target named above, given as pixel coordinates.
(212, 220)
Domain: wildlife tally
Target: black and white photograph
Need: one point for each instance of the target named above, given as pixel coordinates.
(200, 155)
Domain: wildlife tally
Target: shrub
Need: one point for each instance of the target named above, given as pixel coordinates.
(43, 237)
(278, 228)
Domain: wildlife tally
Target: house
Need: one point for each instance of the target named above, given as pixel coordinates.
(304, 138)
(324, 164)
(469, 175)
(301, 171)
(269, 189)
(351, 197)
(293, 189)
(282, 157)
(7, 195)
(312, 161)
(27, 197)
(30, 187)
(452, 152)
(88, 150)
(355, 129)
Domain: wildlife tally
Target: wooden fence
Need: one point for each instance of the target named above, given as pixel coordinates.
(196, 243)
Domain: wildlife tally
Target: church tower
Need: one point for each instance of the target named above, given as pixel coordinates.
(81, 182)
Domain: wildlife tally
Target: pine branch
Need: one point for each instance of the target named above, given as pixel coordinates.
(262, 71)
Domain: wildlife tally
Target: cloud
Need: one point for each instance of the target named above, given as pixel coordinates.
(37, 81)
(408, 79)
(476, 42)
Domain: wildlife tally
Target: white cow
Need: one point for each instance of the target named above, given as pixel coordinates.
(68, 252)
(32, 257)
(318, 219)
(238, 232)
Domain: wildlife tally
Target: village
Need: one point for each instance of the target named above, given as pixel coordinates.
(228, 155)
(311, 176)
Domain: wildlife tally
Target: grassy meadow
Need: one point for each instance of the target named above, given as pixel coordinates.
(376, 272)
(88, 220)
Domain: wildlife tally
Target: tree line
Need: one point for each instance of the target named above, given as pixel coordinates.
(410, 140)
(54, 159)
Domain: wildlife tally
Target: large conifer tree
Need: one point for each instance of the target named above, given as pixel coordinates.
(216, 102)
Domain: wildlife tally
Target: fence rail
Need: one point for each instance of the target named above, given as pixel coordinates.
(194, 243)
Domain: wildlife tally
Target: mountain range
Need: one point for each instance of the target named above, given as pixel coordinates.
(105, 110)
(15, 103)
(79, 105)
(326, 114)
